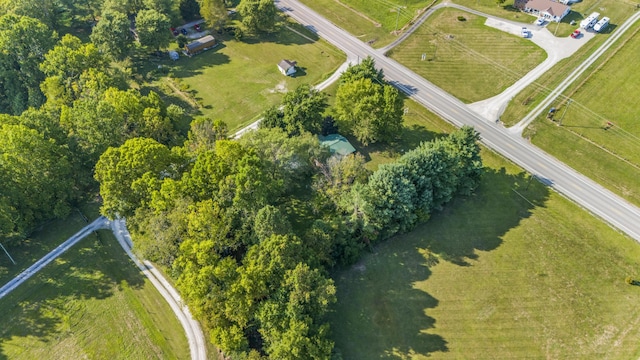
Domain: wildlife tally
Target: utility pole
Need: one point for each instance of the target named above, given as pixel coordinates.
(564, 112)
(6, 252)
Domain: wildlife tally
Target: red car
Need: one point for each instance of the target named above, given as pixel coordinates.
(197, 27)
(575, 34)
(174, 31)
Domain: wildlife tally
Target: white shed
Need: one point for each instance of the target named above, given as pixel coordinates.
(287, 67)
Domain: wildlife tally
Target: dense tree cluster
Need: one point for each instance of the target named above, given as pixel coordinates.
(248, 228)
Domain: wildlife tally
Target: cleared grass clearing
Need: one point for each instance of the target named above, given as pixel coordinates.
(372, 21)
(238, 80)
(514, 271)
(92, 302)
(466, 58)
(585, 141)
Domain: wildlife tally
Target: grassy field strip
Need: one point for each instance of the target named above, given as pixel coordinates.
(467, 58)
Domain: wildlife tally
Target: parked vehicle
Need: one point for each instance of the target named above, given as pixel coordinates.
(601, 25)
(524, 32)
(576, 33)
(174, 31)
(184, 31)
(539, 22)
(590, 20)
(197, 27)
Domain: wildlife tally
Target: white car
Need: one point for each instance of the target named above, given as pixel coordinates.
(524, 32)
(539, 22)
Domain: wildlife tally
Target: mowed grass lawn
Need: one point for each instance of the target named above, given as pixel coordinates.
(466, 58)
(609, 155)
(91, 303)
(238, 80)
(514, 271)
(372, 21)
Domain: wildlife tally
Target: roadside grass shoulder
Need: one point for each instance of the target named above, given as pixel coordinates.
(372, 21)
(599, 132)
(92, 302)
(466, 58)
(512, 271)
(237, 80)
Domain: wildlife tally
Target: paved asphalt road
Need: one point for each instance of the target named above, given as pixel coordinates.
(587, 193)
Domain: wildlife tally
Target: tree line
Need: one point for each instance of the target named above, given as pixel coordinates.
(251, 228)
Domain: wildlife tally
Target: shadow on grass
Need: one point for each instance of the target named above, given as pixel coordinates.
(412, 135)
(47, 306)
(383, 301)
(478, 222)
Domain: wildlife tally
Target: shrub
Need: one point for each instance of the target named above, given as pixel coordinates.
(462, 18)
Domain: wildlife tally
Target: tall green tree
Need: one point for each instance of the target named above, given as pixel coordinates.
(301, 110)
(214, 12)
(366, 69)
(258, 15)
(167, 7)
(112, 34)
(204, 133)
(35, 179)
(189, 10)
(293, 321)
(152, 27)
(371, 111)
(49, 12)
(128, 175)
(270, 221)
(65, 64)
(20, 75)
(389, 200)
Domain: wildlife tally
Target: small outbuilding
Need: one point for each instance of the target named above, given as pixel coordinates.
(337, 144)
(200, 45)
(287, 68)
(173, 55)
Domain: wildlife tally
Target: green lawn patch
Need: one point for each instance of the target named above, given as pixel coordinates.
(374, 22)
(466, 58)
(238, 80)
(92, 302)
(513, 271)
(607, 153)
